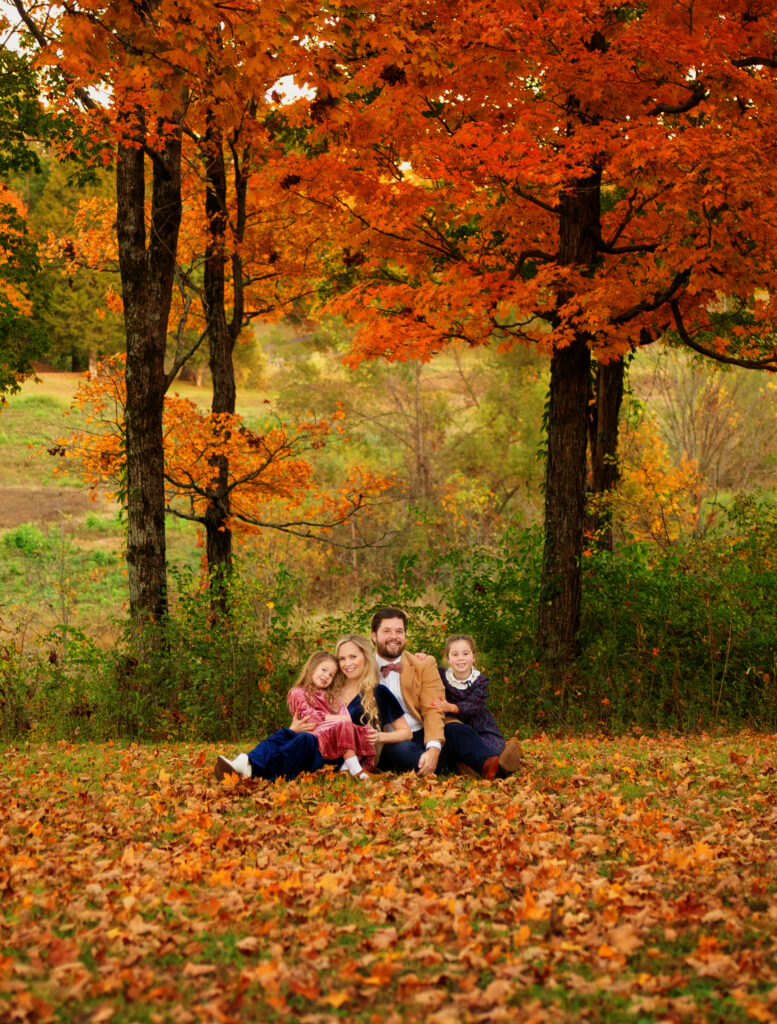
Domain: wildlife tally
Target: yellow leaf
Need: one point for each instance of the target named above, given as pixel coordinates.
(336, 999)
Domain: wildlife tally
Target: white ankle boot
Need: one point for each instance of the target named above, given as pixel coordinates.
(239, 766)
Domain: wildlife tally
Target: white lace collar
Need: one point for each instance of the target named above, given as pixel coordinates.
(461, 684)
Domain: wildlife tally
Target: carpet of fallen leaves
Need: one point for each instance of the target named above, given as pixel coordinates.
(611, 880)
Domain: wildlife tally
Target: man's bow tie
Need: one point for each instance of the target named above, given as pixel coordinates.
(393, 667)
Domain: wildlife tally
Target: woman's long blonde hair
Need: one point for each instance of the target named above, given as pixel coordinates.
(369, 678)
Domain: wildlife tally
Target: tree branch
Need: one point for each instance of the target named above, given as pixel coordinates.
(655, 303)
(698, 93)
(751, 62)
(769, 364)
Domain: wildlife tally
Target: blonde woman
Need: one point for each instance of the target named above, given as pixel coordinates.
(369, 703)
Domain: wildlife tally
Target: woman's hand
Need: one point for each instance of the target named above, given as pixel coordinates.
(373, 736)
(302, 724)
(445, 705)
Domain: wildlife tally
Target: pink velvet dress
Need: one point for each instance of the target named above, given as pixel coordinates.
(334, 738)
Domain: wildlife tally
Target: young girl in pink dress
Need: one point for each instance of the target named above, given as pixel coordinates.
(316, 696)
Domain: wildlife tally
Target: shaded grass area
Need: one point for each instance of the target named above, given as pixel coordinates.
(609, 881)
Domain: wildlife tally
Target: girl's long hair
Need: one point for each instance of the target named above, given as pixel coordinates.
(367, 681)
(305, 679)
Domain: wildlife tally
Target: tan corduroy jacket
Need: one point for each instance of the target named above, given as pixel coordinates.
(421, 684)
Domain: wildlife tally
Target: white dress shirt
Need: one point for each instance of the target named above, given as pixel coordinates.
(392, 682)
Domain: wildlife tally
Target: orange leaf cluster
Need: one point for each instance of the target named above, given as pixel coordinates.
(454, 143)
(269, 471)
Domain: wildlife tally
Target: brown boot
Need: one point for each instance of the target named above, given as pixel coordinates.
(511, 758)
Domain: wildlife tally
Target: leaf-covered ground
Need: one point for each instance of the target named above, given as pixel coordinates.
(627, 880)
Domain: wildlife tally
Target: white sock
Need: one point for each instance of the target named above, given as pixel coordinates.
(352, 764)
(362, 775)
(343, 767)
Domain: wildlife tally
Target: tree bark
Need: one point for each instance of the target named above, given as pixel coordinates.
(603, 445)
(565, 475)
(147, 276)
(565, 478)
(222, 335)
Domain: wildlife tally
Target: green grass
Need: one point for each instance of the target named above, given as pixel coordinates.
(62, 567)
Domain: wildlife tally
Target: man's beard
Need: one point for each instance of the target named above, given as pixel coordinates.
(384, 652)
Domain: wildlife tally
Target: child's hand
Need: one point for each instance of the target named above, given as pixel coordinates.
(445, 705)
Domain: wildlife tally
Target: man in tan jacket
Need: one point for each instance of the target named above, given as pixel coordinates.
(415, 684)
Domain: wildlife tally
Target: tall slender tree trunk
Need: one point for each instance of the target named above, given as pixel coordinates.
(565, 476)
(147, 275)
(222, 335)
(604, 414)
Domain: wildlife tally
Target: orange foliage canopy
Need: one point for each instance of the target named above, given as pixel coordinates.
(214, 67)
(272, 483)
(465, 142)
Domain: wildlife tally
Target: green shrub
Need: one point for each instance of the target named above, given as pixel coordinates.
(26, 538)
(99, 524)
(681, 639)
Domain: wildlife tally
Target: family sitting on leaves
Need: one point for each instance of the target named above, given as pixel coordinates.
(382, 708)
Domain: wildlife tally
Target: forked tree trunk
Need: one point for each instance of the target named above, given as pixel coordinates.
(565, 476)
(603, 446)
(147, 275)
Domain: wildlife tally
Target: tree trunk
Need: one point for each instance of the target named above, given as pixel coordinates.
(147, 275)
(565, 476)
(559, 611)
(604, 414)
(222, 335)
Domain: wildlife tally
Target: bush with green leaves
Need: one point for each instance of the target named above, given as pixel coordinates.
(26, 538)
(682, 639)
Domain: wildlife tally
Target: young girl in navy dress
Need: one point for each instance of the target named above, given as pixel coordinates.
(466, 694)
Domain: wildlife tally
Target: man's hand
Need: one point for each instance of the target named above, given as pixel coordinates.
(445, 705)
(302, 724)
(428, 761)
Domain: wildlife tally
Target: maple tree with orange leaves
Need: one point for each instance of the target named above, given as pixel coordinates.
(586, 178)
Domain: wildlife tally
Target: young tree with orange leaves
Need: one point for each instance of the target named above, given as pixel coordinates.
(270, 481)
(586, 177)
